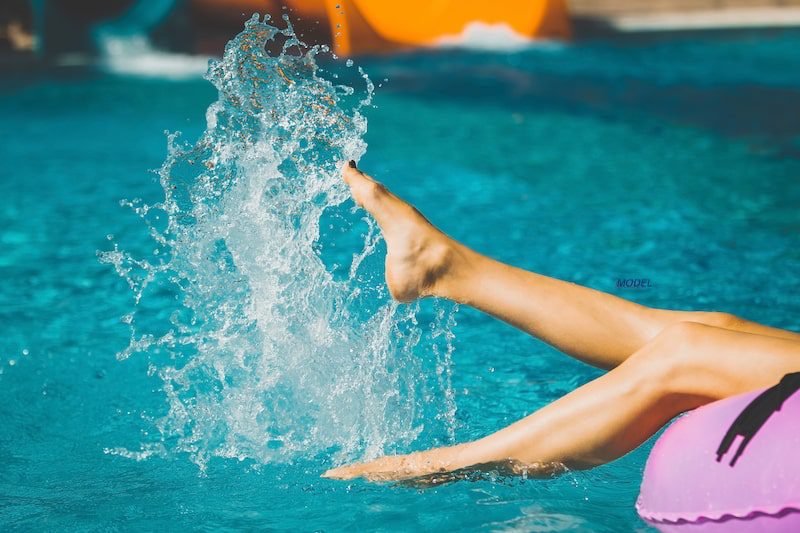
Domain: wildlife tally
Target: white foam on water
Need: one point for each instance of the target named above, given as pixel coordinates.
(126, 49)
(134, 55)
(483, 36)
(262, 352)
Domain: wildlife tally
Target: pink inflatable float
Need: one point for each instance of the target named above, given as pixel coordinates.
(731, 466)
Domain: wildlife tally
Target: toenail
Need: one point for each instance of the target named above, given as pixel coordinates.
(352, 164)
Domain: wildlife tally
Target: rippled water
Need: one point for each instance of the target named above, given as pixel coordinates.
(678, 161)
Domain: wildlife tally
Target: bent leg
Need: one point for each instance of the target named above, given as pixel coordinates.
(596, 327)
(684, 367)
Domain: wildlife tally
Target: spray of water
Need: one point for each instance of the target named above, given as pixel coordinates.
(266, 348)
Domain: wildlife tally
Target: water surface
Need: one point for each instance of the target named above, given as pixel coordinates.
(676, 161)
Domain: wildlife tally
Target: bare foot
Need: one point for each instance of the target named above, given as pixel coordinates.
(442, 465)
(402, 467)
(418, 255)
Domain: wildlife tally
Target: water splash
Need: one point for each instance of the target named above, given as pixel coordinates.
(268, 350)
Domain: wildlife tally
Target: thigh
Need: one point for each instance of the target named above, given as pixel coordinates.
(712, 363)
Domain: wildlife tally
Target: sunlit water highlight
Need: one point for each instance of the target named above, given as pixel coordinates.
(266, 352)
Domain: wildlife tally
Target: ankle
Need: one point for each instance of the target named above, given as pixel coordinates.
(457, 271)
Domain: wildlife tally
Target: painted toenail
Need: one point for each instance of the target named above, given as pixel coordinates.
(352, 164)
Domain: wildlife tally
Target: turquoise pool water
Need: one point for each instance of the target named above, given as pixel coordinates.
(677, 161)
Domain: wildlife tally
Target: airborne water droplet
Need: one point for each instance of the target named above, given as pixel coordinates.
(254, 338)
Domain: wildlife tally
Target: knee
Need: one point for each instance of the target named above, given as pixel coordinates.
(661, 363)
(680, 336)
(718, 319)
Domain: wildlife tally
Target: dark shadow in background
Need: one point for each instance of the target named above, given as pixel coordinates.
(766, 115)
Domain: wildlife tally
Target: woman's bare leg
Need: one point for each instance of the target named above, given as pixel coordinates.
(593, 326)
(685, 366)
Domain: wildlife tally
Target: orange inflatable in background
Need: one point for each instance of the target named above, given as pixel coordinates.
(363, 26)
(369, 26)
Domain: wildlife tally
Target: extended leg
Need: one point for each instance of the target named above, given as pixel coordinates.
(593, 326)
(685, 366)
